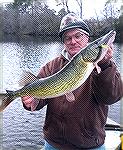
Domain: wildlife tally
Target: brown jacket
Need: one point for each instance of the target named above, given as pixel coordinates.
(80, 124)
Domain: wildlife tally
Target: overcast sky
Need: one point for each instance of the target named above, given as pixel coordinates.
(6, 1)
(90, 7)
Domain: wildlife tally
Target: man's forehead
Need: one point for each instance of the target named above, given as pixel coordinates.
(74, 31)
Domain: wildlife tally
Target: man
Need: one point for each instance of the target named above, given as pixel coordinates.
(78, 124)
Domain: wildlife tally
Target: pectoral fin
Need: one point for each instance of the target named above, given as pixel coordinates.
(26, 78)
(70, 97)
(34, 104)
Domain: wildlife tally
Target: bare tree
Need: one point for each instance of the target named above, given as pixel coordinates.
(111, 1)
(64, 3)
(111, 13)
(121, 27)
(80, 6)
(98, 24)
(1, 21)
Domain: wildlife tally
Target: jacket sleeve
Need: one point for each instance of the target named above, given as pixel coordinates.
(107, 86)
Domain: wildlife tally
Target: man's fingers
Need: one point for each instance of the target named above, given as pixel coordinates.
(109, 53)
(27, 100)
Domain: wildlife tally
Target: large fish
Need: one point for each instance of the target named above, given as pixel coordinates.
(69, 78)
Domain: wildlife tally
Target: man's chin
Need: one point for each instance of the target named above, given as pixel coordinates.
(74, 53)
(75, 49)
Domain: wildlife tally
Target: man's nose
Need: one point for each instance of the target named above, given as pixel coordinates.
(73, 40)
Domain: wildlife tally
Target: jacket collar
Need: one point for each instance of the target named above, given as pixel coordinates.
(65, 54)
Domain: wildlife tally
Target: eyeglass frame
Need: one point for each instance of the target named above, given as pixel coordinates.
(77, 39)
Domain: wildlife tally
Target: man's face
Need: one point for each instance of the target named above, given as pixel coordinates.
(74, 40)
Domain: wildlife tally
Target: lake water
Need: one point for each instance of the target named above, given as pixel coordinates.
(23, 129)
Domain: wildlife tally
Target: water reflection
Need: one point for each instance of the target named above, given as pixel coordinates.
(23, 129)
(30, 56)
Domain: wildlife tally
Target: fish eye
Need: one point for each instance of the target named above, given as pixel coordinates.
(100, 47)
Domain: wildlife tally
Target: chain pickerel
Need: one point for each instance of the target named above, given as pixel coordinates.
(69, 78)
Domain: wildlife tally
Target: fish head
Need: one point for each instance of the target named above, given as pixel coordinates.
(107, 39)
(96, 50)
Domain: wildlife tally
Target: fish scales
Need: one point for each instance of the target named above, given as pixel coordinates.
(72, 75)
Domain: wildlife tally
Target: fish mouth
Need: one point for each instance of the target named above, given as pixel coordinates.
(107, 39)
(111, 40)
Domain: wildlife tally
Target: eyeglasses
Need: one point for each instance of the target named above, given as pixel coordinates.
(77, 37)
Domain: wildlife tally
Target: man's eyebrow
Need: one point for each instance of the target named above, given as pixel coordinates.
(75, 33)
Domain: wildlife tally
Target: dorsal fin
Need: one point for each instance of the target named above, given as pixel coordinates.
(26, 78)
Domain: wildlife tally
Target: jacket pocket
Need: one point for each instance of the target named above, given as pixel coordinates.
(86, 131)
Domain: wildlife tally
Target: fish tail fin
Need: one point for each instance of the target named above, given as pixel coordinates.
(6, 99)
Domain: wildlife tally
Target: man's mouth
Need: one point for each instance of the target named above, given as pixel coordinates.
(74, 47)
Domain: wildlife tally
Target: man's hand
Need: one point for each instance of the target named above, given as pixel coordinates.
(27, 100)
(108, 55)
(30, 102)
